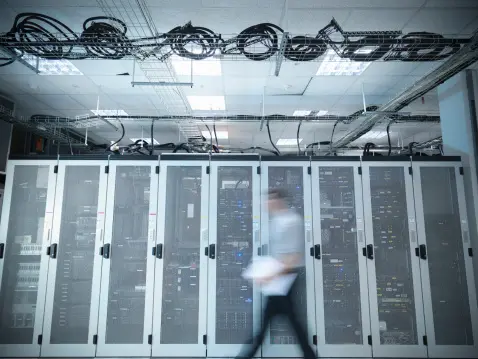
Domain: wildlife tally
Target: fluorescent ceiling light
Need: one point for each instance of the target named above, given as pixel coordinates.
(109, 113)
(288, 141)
(334, 65)
(373, 135)
(365, 50)
(52, 67)
(207, 103)
(221, 135)
(321, 113)
(148, 140)
(301, 113)
(207, 67)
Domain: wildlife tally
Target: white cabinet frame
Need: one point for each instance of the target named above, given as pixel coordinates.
(79, 350)
(393, 350)
(291, 350)
(434, 350)
(128, 350)
(181, 350)
(33, 349)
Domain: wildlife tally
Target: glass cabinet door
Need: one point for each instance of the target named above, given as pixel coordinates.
(71, 311)
(25, 229)
(126, 304)
(394, 273)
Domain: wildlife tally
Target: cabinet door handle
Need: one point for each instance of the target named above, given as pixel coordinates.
(53, 250)
(106, 250)
(317, 253)
(370, 251)
(423, 251)
(212, 251)
(159, 251)
(2, 249)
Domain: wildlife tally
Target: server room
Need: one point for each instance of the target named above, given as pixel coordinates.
(238, 179)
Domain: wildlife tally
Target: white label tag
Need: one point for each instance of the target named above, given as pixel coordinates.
(190, 210)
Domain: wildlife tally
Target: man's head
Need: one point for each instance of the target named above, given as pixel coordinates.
(277, 200)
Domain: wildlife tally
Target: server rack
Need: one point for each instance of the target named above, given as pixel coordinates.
(126, 301)
(73, 287)
(234, 304)
(396, 305)
(24, 238)
(444, 249)
(291, 174)
(180, 292)
(341, 284)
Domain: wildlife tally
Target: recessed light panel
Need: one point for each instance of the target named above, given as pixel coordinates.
(53, 67)
(109, 113)
(334, 65)
(207, 67)
(373, 135)
(288, 141)
(301, 113)
(221, 135)
(207, 103)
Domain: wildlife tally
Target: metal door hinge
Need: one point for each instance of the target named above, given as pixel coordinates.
(208, 170)
(55, 169)
(309, 170)
(157, 170)
(369, 340)
(410, 171)
(95, 339)
(150, 339)
(314, 339)
(258, 170)
(425, 340)
(107, 169)
(462, 171)
(40, 339)
(204, 339)
(360, 170)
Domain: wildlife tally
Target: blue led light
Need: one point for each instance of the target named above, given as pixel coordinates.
(248, 300)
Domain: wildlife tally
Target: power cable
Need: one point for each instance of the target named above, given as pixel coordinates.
(151, 146)
(270, 138)
(215, 134)
(298, 142)
(388, 137)
(122, 136)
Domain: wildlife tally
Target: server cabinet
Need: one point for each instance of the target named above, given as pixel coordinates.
(24, 237)
(180, 292)
(127, 280)
(73, 286)
(290, 174)
(342, 301)
(444, 250)
(234, 304)
(396, 305)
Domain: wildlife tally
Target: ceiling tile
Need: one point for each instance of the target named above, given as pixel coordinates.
(203, 85)
(107, 67)
(440, 21)
(60, 102)
(378, 19)
(74, 84)
(126, 102)
(245, 85)
(91, 102)
(310, 21)
(372, 85)
(452, 4)
(30, 102)
(381, 68)
(32, 84)
(330, 85)
(286, 85)
(246, 68)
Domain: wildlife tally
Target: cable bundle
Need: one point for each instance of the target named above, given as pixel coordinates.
(180, 38)
(105, 40)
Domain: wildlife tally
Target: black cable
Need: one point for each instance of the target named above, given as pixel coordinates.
(151, 146)
(388, 138)
(298, 132)
(210, 133)
(122, 136)
(410, 147)
(332, 135)
(270, 138)
(215, 134)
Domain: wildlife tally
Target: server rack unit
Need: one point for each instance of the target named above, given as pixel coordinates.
(25, 231)
(342, 303)
(396, 306)
(127, 280)
(445, 254)
(74, 272)
(180, 305)
(291, 174)
(234, 304)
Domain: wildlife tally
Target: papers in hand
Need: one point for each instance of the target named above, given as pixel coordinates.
(265, 267)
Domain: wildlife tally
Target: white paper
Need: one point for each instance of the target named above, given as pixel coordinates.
(280, 285)
(263, 267)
